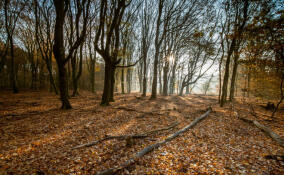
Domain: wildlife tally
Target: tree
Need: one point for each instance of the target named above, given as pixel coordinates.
(146, 35)
(206, 85)
(237, 8)
(12, 10)
(61, 8)
(44, 17)
(107, 42)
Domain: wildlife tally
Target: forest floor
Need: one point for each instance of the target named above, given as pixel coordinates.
(37, 137)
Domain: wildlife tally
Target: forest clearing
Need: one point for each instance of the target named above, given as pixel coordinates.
(38, 138)
(139, 87)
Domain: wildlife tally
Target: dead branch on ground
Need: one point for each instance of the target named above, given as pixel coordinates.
(154, 146)
(126, 137)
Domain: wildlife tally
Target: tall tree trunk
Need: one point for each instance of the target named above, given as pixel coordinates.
(158, 42)
(248, 83)
(187, 89)
(165, 78)
(281, 96)
(155, 76)
(51, 79)
(112, 80)
(160, 81)
(129, 80)
(234, 46)
(233, 80)
(76, 76)
(144, 75)
(122, 78)
(226, 75)
(63, 86)
(92, 75)
(107, 84)
(59, 52)
(220, 83)
(13, 75)
(173, 79)
(140, 78)
(181, 90)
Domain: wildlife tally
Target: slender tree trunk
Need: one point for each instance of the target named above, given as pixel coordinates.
(107, 85)
(41, 76)
(248, 83)
(181, 90)
(155, 76)
(73, 74)
(157, 50)
(281, 96)
(187, 89)
(122, 78)
(63, 86)
(220, 74)
(92, 76)
(13, 75)
(33, 72)
(226, 75)
(233, 80)
(59, 52)
(51, 79)
(160, 81)
(144, 76)
(173, 79)
(129, 80)
(112, 80)
(165, 78)
(220, 84)
(77, 76)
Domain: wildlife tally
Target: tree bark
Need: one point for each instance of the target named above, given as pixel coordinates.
(165, 78)
(122, 78)
(107, 85)
(76, 76)
(281, 96)
(63, 86)
(59, 53)
(144, 75)
(13, 75)
(111, 99)
(172, 80)
(129, 80)
(233, 80)
(158, 42)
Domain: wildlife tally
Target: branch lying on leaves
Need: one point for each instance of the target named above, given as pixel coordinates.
(125, 137)
(134, 110)
(153, 146)
(265, 129)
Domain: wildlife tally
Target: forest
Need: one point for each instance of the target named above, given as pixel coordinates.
(141, 87)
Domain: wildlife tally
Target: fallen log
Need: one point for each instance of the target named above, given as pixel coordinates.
(270, 133)
(126, 137)
(265, 129)
(153, 146)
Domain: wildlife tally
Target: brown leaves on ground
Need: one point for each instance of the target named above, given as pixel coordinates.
(37, 137)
